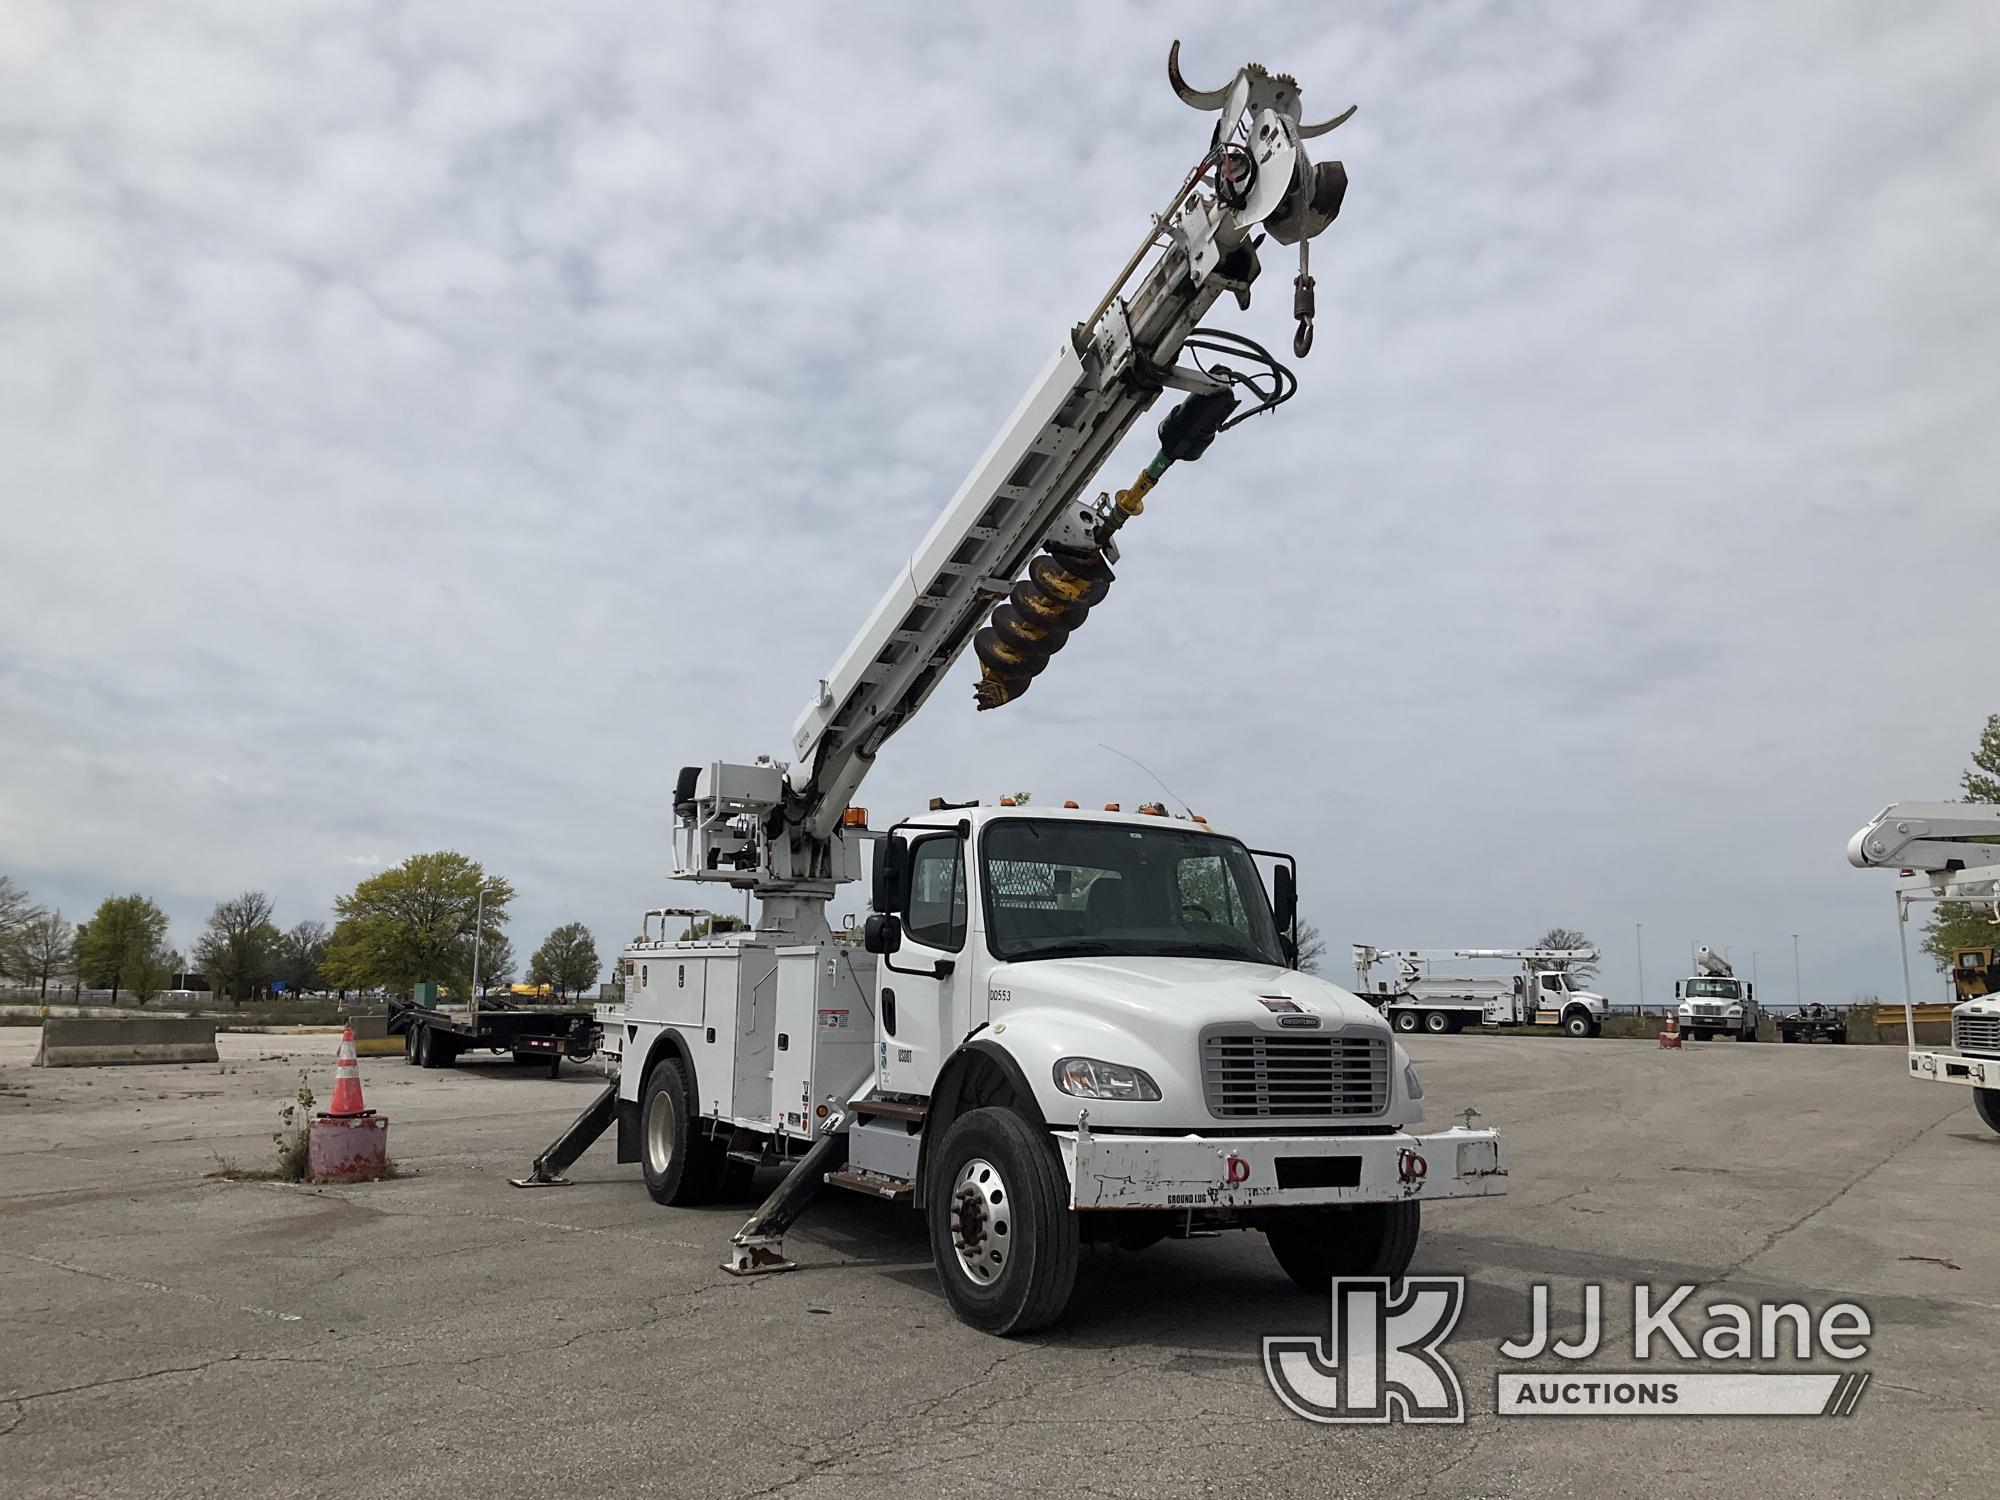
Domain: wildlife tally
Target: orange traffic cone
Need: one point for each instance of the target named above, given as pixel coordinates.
(1671, 1037)
(346, 1102)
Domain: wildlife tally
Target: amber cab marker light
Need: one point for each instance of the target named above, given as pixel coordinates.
(854, 817)
(1111, 807)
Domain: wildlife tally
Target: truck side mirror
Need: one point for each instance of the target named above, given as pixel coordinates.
(1749, 992)
(1284, 898)
(892, 878)
(1677, 989)
(883, 933)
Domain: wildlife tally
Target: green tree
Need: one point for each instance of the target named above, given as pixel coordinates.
(1960, 924)
(1564, 937)
(414, 923)
(45, 951)
(238, 950)
(301, 952)
(567, 959)
(124, 946)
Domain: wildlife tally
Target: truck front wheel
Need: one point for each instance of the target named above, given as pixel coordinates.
(681, 1165)
(1003, 1238)
(1579, 1023)
(1987, 1102)
(1314, 1245)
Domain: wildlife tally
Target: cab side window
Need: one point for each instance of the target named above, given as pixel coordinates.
(936, 917)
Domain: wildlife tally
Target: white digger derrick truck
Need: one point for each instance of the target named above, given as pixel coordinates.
(1066, 1025)
(1714, 1000)
(1944, 851)
(1538, 993)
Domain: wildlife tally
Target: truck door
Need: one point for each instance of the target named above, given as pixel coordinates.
(914, 1009)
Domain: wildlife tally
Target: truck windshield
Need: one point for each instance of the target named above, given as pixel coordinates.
(1059, 888)
(1712, 989)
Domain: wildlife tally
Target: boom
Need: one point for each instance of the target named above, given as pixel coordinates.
(777, 829)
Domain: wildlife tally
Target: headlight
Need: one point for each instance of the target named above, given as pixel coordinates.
(1090, 1078)
(1410, 1085)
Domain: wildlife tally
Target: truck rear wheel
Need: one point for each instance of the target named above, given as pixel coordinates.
(1003, 1239)
(1406, 1020)
(1987, 1102)
(681, 1165)
(1315, 1245)
(1436, 1022)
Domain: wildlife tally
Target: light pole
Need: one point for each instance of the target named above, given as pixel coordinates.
(1753, 965)
(1797, 998)
(1639, 940)
(478, 926)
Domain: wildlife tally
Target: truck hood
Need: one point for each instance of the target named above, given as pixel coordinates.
(1191, 990)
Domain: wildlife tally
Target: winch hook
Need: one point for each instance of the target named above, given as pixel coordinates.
(1302, 302)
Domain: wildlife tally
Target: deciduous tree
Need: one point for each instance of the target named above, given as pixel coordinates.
(238, 950)
(45, 951)
(567, 959)
(16, 912)
(414, 923)
(124, 946)
(1564, 937)
(301, 952)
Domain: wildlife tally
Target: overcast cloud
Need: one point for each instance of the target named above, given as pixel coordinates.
(429, 426)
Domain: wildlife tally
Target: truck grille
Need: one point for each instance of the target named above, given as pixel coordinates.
(1249, 1074)
(1976, 1033)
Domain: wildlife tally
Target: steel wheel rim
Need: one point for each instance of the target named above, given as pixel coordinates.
(660, 1136)
(982, 1221)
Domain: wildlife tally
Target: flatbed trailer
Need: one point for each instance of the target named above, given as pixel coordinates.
(436, 1036)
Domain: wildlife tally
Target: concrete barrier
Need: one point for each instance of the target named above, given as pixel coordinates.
(69, 1042)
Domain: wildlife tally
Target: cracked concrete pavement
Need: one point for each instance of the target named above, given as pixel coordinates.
(166, 1330)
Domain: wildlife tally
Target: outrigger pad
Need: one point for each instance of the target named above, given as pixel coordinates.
(541, 1182)
(757, 1260)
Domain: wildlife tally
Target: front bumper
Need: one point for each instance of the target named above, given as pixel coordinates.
(1953, 1067)
(1293, 1171)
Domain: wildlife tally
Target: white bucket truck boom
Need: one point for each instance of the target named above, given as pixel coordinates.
(1713, 1000)
(1537, 994)
(1068, 1025)
(1945, 851)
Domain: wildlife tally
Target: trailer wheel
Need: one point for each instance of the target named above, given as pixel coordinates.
(1987, 1102)
(1003, 1239)
(426, 1057)
(1436, 1022)
(1372, 1239)
(681, 1164)
(1406, 1020)
(410, 1045)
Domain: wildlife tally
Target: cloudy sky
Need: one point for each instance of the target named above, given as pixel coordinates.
(430, 425)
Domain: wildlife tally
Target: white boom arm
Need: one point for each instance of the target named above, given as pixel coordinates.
(1025, 489)
(1943, 840)
(1411, 960)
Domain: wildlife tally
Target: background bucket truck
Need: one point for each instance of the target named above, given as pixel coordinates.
(1945, 851)
(1417, 999)
(1713, 1000)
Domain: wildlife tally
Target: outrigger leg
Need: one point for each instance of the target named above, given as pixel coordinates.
(573, 1142)
(758, 1248)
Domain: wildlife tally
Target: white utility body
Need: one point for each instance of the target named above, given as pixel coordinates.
(1420, 999)
(1714, 1000)
(1945, 851)
(1067, 1026)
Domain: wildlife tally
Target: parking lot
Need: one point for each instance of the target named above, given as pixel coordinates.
(169, 1329)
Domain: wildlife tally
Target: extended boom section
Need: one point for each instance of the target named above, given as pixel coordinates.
(1018, 542)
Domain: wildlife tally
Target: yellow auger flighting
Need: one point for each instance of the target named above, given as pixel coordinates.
(1068, 578)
